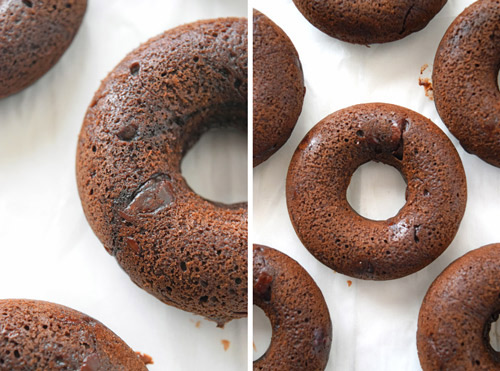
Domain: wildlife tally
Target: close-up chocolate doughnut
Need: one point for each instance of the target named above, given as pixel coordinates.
(33, 36)
(278, 87)
(187, 251)
(465, 80)
(38, 335)
(300, 321)
(457, 313)
(369, 22)
(320, 172)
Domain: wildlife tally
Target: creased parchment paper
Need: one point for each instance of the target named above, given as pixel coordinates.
(48, 250)
(374, 323)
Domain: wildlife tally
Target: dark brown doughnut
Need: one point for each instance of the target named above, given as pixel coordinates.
(368, 22)
(302, 329)
(321, 170)
(33, 36)
(37, 335)
(187, 251)
(457, 312)
(464, 79)
(278, 88)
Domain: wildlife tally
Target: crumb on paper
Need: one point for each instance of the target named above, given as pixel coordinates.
(349, 283)
(426, 83)
(145, 358)
(197, 324)
(225, 344)
(254, 347)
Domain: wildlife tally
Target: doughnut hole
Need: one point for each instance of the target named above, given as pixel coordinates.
(216, 166)
(262, 333)
(495, 334)
(376, 191)
(498, 80)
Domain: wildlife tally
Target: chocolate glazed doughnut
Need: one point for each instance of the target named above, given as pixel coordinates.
(368, 22)
(187, 251)
(457, 313)
(37, 335)
(278, 88)
(321, 170)
(464, 79)
(33, 36)
(302, 329)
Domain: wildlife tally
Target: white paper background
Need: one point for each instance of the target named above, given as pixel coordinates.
(47, 249)
(374, 323)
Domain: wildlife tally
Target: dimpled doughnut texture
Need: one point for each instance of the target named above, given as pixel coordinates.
(187, 251)
(300, 321)
(457, 312)
(367, 21)
(34, 34)
(37, 335)
(465, 79)
(278, 88)
(321, 170)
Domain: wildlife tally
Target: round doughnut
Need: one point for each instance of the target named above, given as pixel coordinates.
(278, 87)
(368, 22)
(187, 251)
(457, 312)
(37, 335)
(33, 36)
(464, 80)
(321, 170)
(300, 321)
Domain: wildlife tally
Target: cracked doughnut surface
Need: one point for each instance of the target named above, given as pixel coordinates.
(369, 22)
(300, 321)
(34, 34)
(187, 251)
(457, 312)
(278, 88)
(37, 335)
(465, 76)
(321, 170)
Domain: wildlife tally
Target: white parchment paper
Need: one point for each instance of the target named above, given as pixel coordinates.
(47, 248)
(374, 323)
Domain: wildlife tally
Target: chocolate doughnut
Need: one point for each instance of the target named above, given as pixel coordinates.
(321, 170)
(464, 80)
(37, 335)
(278, 87)
(187, 251)
(368, 22)
(33, 36)
(457, 312)
(302, 329)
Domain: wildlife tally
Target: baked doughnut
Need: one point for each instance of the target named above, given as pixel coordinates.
(37, 335)
(33, 36)
(368, 22)
(278, 88)
(302, 329)
(321, 170)
(457, 312)
(187, 251)
(464, 80)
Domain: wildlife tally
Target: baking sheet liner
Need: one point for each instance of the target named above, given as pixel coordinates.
(374, 323)
(48, 250)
